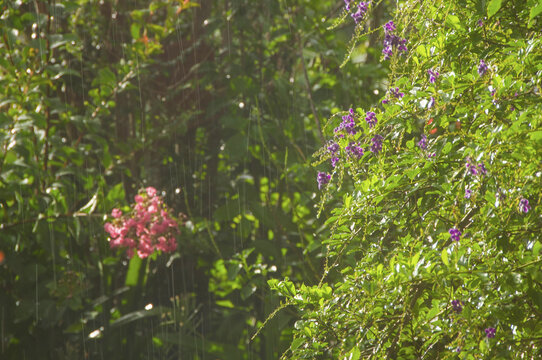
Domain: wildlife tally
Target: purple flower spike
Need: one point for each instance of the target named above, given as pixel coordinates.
(347, 125)
(376, 147)
(388, 52)
(353, 149)
(392, 41)
(360, 13)
(333, 147)
(431, 103)
(433, 75)
(395, 93)
(482, 68)
(322, 178)
(371, 119)
(455, 234)
(468, 193)
(457, 306)
(471, 167)
(524, 205)
(482, 169)
(423, 142)
(389, 27)
(490, 332)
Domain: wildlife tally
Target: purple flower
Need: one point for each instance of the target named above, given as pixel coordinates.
(388, 52)
(389, 27)
(333, 147)
(490, 332)
(471, 168)
(457, 306)
(480, 22)
(468, 193)
(402, 46)
(455, 234)
(433, 75)
(524, 205)
(395, 93)
(431, 103)
(392, 41)
(376, 147)
(371, 119)
(347, 4)
(474, 169)
(322, 178)
(385, 101)
(334, 161)
(482, 68)
(423, 142)
(482, 169)
(353, 149)
(347, 124)
(360, 13)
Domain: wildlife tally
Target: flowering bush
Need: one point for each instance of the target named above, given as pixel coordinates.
(146, 229)
(454, 220)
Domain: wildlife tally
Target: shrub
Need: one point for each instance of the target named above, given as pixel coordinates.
(435, 250)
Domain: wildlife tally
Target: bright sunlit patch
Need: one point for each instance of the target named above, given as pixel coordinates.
(148, 307)
(95, 334)
(241, 105)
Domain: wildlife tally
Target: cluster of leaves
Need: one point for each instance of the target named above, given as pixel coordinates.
(433, 253)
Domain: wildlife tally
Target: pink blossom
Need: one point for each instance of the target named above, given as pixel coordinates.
(116, 213)
(151, 191)
(113, 232)
(159, 228)
(172, 244)
(146, 228)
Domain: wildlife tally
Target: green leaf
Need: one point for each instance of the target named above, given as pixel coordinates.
(444, 256)
(536, 248)
(446, 149)
(296, 343)
(225, 303)
(136, 315)
(132, 276)
(134, 30)
(493, 7)
(453, 21)
(536, 135)
(535, 11)
(354, 354)
(116, 194)
(422, 51)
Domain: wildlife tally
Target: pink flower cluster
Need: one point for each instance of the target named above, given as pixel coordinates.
(147, 228)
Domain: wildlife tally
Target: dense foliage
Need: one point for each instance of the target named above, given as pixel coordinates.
(435, 250)
(155, 177)
(217, 105)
